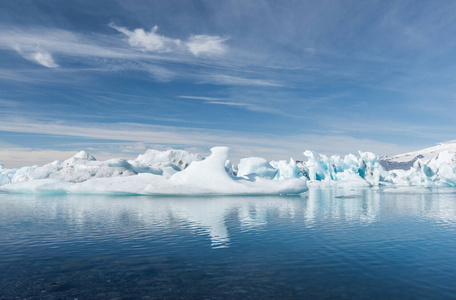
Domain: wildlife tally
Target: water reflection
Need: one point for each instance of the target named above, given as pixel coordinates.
(210, 216)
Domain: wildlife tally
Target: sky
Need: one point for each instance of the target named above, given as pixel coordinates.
(265, 78)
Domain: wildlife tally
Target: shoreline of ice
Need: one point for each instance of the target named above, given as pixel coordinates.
(178, 172)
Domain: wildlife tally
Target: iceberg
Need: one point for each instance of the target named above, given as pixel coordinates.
(364, 170)
(367, 170)
(79, 168)
(256, 166)
(79, 175)
(406, 161)
(180, 159)
(286, 170)
(178, 172)
(164, 163)
(438, 171)
(11, 175)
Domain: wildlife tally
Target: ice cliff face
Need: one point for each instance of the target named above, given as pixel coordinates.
(364, 170)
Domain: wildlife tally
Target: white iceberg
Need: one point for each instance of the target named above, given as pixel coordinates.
(438, 171)
(205, 177)
(79, 168)
(178, 172)
(164, 163)
(405, 161)
(255, 166)
(10, 175)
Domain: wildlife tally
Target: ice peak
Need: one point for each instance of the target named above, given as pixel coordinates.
(84, 155)
(220, 152)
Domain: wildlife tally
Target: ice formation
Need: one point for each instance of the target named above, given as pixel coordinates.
(79, 168)
(178, 172)
(83, 174)
(164, 163)
(439, 171)
(364, 170)
(405, 161)
(178, 158)
(10, 175)
(256, 166)
(286, 170)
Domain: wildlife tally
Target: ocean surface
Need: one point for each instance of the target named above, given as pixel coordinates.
(326, 244)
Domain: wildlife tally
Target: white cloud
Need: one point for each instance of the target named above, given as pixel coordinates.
(203, 98)
(43, 58)
(148, 41)
(158, 55)
(219, 101)
(33, 53)
(151, 41)
(234, 80)
(206, 44)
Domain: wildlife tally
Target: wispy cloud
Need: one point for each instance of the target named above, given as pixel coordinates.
(235, 80)
(44, 59)
(270, 146)
(206, 44)
(212, 100)
(41, 57)
(151, 41)
(148, 41)
(8, 103)
(200, 58)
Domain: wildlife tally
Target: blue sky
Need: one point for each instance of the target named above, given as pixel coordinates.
(266, 78)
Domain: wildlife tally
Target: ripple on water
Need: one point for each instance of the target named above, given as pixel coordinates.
(362, 243)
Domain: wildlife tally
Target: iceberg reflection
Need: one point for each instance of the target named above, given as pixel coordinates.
(218, 217)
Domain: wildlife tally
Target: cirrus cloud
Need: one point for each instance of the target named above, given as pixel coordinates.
(206, 44)
(148, 41)
(151, 41)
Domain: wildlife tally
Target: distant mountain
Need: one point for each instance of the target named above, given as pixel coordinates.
(405, 161)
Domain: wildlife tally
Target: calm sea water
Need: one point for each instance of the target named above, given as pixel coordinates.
(329, 243)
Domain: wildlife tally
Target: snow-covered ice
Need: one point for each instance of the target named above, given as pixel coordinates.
(201, 177)
(405, 161)
(178, 172)
(256, 166)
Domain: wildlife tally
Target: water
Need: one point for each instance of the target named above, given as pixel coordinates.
(353, 243)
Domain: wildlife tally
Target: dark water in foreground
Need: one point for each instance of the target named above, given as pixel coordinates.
(362, 244)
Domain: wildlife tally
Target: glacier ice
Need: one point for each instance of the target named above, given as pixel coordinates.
(286, 170)
(364, 170)
(164, 163)
(79, 168)
(256, 165)
(179, 158)
(406, 160)
(201, 177)
(178, 172)
(11, 175)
